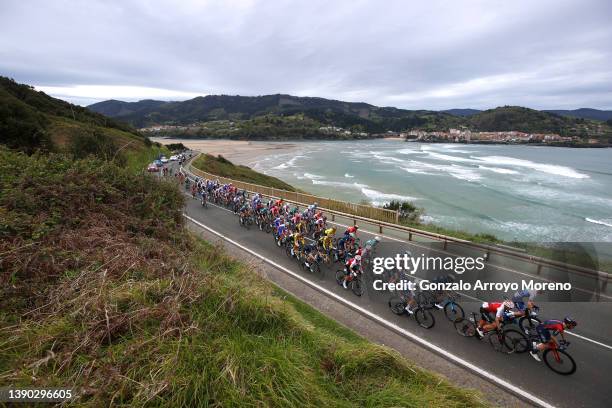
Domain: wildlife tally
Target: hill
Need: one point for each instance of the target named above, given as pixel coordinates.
(222, 167)
(114, 108)
(349, 115)
(285, 117)
(32, 120)
(524, 120)
(584, 113)
(462, 112)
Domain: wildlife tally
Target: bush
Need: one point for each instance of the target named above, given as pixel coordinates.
(407, 210)
(93, 144)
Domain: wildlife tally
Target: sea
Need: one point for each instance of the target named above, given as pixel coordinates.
(515, 192)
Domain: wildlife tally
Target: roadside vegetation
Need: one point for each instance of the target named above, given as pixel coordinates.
(220, 166)
(103, 290)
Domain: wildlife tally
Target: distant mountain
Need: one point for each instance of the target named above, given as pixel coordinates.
(31, 120)
(462, 112)
(286, 116)
(522, 119)
(367, 117)
(116, 108)
(585, 113)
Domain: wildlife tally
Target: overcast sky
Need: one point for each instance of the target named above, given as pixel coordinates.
(409, 54)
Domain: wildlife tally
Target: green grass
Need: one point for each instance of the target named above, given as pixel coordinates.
(224, 168)
(103, 290)
(137, 160)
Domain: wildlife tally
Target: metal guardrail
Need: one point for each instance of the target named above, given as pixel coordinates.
(489, 249)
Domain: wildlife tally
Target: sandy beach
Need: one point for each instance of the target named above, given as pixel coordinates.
(237, 151)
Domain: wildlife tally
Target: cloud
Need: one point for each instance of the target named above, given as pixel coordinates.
(435, 54)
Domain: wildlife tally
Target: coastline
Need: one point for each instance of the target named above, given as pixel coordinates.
(240, 152)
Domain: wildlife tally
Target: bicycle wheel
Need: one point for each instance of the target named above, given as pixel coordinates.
(288, 251)
(497, 341)
(453, 311)
(528, 325)
(515, 341)
(465, 328)
(357, 286)
(340, 276)
(268, 228)
(315, 269)
(424, 318)
(397, 305)
(559, 361)
(424, 298)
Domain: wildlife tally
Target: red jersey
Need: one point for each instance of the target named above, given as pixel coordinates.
(491, 307)
(556, 326)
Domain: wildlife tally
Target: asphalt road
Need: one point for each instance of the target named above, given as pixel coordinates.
(591, 349)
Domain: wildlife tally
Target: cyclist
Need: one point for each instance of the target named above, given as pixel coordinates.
(341, 248)
(502, 314)
(370, 246)
(327, 241)
(353, 265)
(351, 230)
(547, 330)
(331, 232)
(519, 301)
(298, 241)
(311, 252)
(300, 226)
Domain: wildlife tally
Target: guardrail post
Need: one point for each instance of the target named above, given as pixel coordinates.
(333, 217)
(354, 222)
(539, 269)
(410, 236)
(397, 217)
(380, 228)
(445, 243)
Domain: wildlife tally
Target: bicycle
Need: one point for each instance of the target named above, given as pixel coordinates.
(423, 317)
(529, 321)
(245, 220)
(452, 309)
(504, 339)
(314, 266)
(354, 280)
(556, 358)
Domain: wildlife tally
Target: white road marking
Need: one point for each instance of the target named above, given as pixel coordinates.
(458, 360)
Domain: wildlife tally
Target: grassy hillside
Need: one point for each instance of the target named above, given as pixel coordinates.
(31, 121)
(224, 168)
(102, 289)
(524, 120)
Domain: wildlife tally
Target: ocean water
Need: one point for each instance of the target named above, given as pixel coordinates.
(522, 193)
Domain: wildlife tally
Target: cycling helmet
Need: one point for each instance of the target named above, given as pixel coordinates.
(508, 304)
(377, 238)
(571, 323)
(356, 227)
(358, 258)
